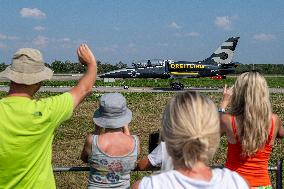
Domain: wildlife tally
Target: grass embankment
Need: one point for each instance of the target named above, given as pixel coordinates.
(147, 109)
(273, 82)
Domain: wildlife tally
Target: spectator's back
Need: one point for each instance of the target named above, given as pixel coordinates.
(250, 127)
(26, 132)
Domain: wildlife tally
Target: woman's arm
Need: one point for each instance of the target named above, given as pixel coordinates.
(223, 123)
(135, 185)
(227, 94)
(280, 133)
(144, 165)
(87, 149)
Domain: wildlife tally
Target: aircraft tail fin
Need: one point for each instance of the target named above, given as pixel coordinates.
(224, 54)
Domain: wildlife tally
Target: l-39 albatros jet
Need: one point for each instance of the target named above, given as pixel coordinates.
(217, 66)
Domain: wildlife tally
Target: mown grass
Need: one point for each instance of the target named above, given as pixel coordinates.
(147, 110)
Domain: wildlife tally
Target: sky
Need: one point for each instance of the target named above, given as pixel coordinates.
(128, 30)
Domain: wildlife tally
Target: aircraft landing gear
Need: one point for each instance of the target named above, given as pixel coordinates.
(177, 86)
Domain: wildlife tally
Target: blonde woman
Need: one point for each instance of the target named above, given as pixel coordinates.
(250, 127)
(190, 128)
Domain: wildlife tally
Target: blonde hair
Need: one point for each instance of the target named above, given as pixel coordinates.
(190, 128)
(250, 102)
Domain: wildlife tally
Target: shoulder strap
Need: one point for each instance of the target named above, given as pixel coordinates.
(95, 145)
(136, 141)
(234, 128)
(271, 131)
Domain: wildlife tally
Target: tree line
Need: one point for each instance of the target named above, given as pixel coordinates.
(61, 67)
(70, 67)
(261, 68)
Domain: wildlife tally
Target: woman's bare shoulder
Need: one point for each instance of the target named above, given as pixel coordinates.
(278, 125)
(276, 119)
(275, 116)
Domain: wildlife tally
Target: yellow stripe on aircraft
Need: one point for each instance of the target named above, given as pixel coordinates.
(184, 73)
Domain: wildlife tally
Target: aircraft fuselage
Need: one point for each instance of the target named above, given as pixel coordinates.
(174, 70)
(218, 64)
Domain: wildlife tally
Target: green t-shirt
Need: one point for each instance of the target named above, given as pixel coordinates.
(26, 134)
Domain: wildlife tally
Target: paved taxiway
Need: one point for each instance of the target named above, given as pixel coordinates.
(121, 89)
(137, 89)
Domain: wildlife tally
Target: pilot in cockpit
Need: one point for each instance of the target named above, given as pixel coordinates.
(149, 63)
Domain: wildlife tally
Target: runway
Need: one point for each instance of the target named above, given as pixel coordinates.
(68, 77)
(101, 89)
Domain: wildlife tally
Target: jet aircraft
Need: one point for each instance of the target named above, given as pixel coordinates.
(216, 66)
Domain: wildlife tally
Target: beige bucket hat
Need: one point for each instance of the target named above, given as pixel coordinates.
(27, 67)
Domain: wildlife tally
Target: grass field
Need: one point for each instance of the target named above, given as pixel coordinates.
(147, 109)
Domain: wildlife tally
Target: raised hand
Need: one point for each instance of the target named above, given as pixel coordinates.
(227, 94)
(85, 55)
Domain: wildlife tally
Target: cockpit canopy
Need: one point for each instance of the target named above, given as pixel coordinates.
(150, 63)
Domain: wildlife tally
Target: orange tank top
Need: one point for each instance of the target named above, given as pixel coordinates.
(254, 168)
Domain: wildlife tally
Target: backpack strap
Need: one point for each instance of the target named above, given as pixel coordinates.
(136, 140)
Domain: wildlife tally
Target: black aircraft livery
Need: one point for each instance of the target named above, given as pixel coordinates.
(217, 65)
